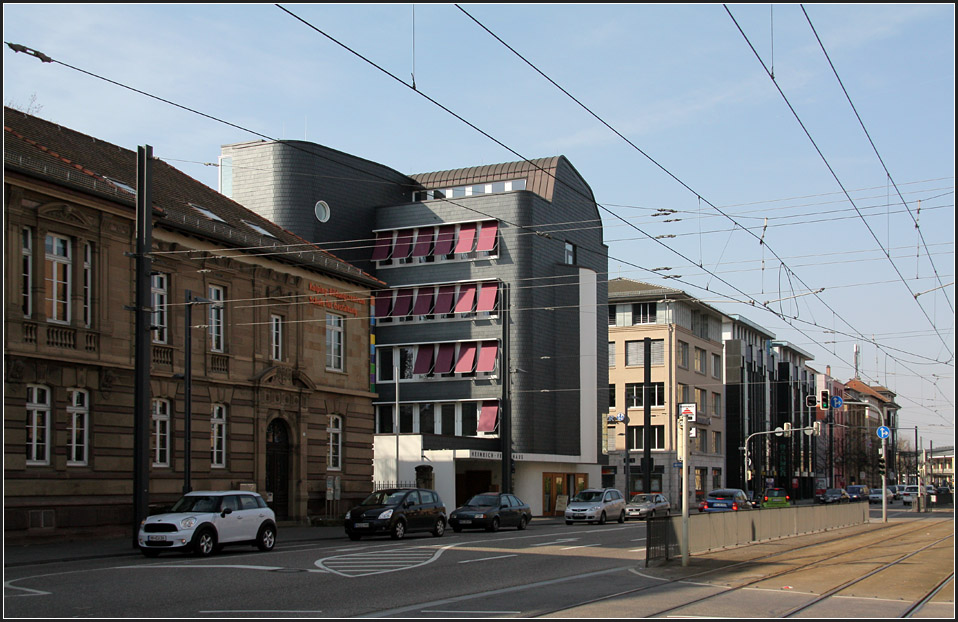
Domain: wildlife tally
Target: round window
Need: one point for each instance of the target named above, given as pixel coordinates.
(322, 211)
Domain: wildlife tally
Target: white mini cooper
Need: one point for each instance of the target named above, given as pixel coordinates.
(204, 522)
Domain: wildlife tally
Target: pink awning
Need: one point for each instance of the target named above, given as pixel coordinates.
(467, 236)
(384, 243)
(444, 360)
(487, 296)
(488, 417)
(467, 297)
(403, 244)
(423, 243)
(487, 236)
(424, 359)
(467, 357)
(487, 356)
(384, 301)
(445, 298)
(403, 303)
(423, 304)
(445, 240)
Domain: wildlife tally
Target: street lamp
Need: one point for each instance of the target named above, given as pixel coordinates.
(188, 386)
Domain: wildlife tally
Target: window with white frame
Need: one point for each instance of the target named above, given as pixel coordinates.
(447, 418)
(611, 354)
(217, 328)
(78, 421)
(570, 254)
(59, 268)
(334, 457)
(635, 353)
(634, 394)
(276, 329)
(160, 299)
(160, 439)
(87, 284)
(38, 424)
(218, 436)
(643, 313)
(335, 342)
(638, 436)
(26, 278)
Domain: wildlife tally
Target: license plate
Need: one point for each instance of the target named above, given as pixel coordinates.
(721, 505)
(157, 538)
(466, 521)
(361, 525)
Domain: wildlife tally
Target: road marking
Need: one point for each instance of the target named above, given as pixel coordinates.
(559, 541)
(378, 562)
(454, 611)
(579, 546)
(485, 559)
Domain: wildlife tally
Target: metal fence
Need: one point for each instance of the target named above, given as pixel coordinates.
(661, 541)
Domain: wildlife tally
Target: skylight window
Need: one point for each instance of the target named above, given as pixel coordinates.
(258, 229)
(206, 212)
(120, 185)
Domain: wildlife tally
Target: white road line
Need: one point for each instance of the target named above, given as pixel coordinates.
(485, 559)
(579, 546)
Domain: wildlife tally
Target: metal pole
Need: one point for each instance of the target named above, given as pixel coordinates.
(187, 392)
(647, 430)
(505, 416)
(142, 345)
(396, 420)
(685, 490)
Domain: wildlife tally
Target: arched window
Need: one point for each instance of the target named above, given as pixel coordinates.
(334, 458)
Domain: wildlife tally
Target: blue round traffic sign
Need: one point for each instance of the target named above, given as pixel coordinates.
(884, 431)
(837, 402)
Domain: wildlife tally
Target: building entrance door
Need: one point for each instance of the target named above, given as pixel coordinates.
(277, 468)
(558, 488)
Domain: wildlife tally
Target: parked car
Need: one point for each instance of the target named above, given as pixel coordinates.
(775, 498)
(835, 495)
(205, 521)
(397, 511)
(726, 500)
(490, 511)
(858, 493)
(896, 491)
(910, 493)
(643, 505)
(875, 495)
(596, 505)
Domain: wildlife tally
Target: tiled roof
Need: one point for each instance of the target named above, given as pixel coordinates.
(40, 148)
(540, 175)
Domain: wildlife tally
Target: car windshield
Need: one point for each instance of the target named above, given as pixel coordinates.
(483, 500)
(588, 495)
(196, 503)
(855, 488)
(775, 492)
(385, 497)
(641, 498)
(833, 491)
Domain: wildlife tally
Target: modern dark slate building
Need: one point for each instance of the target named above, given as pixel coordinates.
(491, 341)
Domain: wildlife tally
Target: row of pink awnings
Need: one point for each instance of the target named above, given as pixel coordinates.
(463, 298)
(447, 358)
(427, 241)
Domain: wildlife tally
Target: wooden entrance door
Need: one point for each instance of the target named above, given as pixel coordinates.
(277, 467)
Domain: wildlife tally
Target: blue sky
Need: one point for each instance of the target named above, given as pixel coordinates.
(711, 136)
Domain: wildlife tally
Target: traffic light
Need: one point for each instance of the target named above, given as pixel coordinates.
(824, 399)
(881, 465)
(817, 428)
(787, 428)
(811, 401)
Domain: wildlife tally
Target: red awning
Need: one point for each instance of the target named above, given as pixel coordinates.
(444, 359)
(488, 417)
(467, 237)
(384, 244)
(487, 296)
(384, 301)
(445, 299)
(403, 303)
(424, 359)
(487, 356)
(467, 357)
(467, 297)
(423, 304)
(403, 244)
(445, 240)
(423, 243)
(487, 236)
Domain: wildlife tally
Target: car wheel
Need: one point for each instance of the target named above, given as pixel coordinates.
(266, 539)
(523, 521)
(150, 552)
(204, 544)
(622, 517)
(354, 536)
(440, 528)
(494, 525)
(602, 519)
(399, 530)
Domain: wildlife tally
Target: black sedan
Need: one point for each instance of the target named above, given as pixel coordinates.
(490, 511)
(835, 495)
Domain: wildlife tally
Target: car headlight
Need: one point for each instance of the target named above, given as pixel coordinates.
(595, 507)
(386, 514)
(479, 516)
(188, 523)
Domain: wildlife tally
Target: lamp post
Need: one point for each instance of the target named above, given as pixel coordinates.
(188, 387)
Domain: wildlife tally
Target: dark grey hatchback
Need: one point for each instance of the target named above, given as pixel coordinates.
(397, 511)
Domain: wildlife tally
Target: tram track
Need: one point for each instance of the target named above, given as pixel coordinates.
(815, 560)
